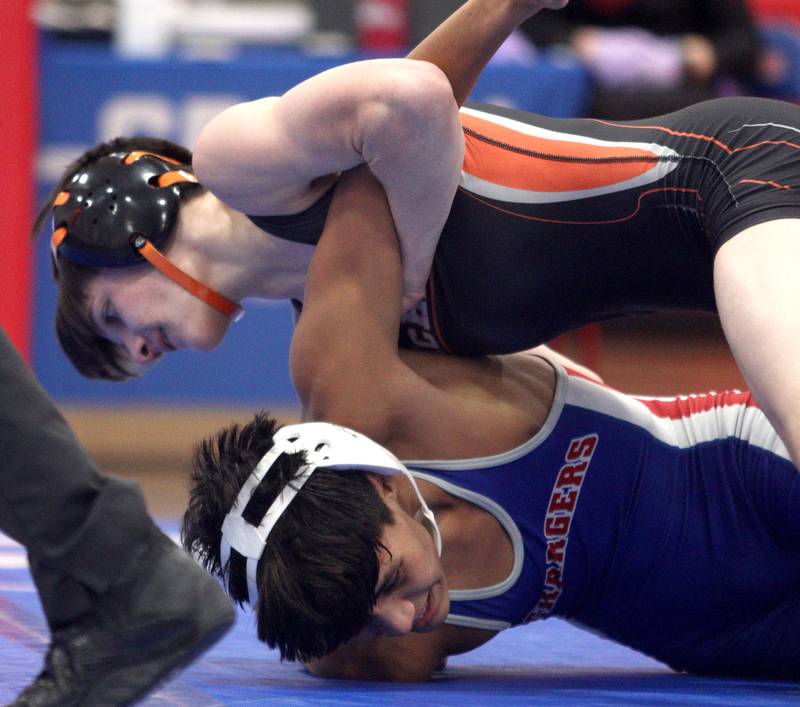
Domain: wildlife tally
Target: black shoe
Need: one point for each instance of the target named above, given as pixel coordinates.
(156, 620)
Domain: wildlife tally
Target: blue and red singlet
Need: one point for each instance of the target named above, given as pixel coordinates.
(669, 525)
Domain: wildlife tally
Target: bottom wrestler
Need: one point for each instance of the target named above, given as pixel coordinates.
(672, 526)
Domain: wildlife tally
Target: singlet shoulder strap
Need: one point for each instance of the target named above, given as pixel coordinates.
(304, 227)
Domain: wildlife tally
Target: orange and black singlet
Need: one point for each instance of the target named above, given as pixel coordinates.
(561, 222)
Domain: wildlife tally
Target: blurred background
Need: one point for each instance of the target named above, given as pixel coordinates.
(77, 72)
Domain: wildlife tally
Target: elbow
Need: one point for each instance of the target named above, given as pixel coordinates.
(352, 409)
(425, 94)
(325, 396)
(413, 81)
(412, 105)
(348, 411)
(333, 387)
(320, 389)
(431, 81)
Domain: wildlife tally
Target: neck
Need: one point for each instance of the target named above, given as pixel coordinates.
(235, 256)
(476, 551)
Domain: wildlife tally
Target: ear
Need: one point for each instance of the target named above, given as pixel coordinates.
(385, 484)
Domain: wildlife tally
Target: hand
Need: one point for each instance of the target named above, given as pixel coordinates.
(699, 58)
(529, 8)
(536, 5)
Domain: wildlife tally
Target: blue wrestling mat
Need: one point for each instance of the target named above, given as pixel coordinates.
(544, 663)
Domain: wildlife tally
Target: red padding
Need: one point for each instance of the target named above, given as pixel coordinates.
(18, 131)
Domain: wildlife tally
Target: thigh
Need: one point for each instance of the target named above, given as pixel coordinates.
(757, 291)
(768, 648)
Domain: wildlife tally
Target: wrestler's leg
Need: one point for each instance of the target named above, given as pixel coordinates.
(757, 287)
(768, 648)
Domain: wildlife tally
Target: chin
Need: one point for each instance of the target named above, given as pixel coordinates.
(444, 610)
(209, 343)
(210, 335)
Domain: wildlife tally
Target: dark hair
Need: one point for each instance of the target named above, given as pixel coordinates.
(318, 574)
(93, 355)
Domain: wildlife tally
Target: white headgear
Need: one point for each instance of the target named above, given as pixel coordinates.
(326, 446)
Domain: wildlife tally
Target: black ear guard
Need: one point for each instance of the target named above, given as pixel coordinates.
(119, 211)
(113, 199)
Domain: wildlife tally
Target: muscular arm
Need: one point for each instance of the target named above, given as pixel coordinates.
(463, 44)
(343, 357)
(411, 658)
(346, 369)
(344, 360)
(461, 47)
(397, 116)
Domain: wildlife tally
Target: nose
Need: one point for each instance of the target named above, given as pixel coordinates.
(140, 351)
(394, 617)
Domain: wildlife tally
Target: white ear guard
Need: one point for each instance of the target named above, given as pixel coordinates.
(326, 446)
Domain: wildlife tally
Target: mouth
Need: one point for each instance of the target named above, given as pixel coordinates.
(428, 613)
(166, 344)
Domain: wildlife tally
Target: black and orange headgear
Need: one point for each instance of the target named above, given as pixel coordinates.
(120, 210)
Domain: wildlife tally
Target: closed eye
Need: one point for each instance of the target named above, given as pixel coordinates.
(108, 315)
(391, 583)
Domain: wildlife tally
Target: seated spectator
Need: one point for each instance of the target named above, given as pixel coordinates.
(650, 57)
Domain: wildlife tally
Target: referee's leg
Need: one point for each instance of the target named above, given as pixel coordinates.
(109, 580)
(55, 503)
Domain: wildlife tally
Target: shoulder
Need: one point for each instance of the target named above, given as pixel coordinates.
(240, 156)
(226, 137)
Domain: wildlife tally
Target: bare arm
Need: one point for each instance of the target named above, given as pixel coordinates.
(463, 44)
(410, 658)
(345, 369)
(397, 116)
(343, 357)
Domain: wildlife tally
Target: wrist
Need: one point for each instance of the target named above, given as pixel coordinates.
(517, 11)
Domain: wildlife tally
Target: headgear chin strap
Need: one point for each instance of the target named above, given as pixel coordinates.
(120, 210)
(326, 446)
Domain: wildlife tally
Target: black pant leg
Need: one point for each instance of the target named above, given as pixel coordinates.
(77, 525)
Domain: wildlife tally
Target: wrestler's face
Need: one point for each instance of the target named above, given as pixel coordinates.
(412, 590)
(148, 315)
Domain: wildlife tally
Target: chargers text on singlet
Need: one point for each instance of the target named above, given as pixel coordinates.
(558, 520)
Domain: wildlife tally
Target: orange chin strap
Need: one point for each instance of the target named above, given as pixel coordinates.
(153, 256)
(149, 252)
(211, 297)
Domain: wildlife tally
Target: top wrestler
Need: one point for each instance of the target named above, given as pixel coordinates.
(672, 526)
(545, 224)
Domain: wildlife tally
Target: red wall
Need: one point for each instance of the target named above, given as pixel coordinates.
(17, 149)
(776, 9)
